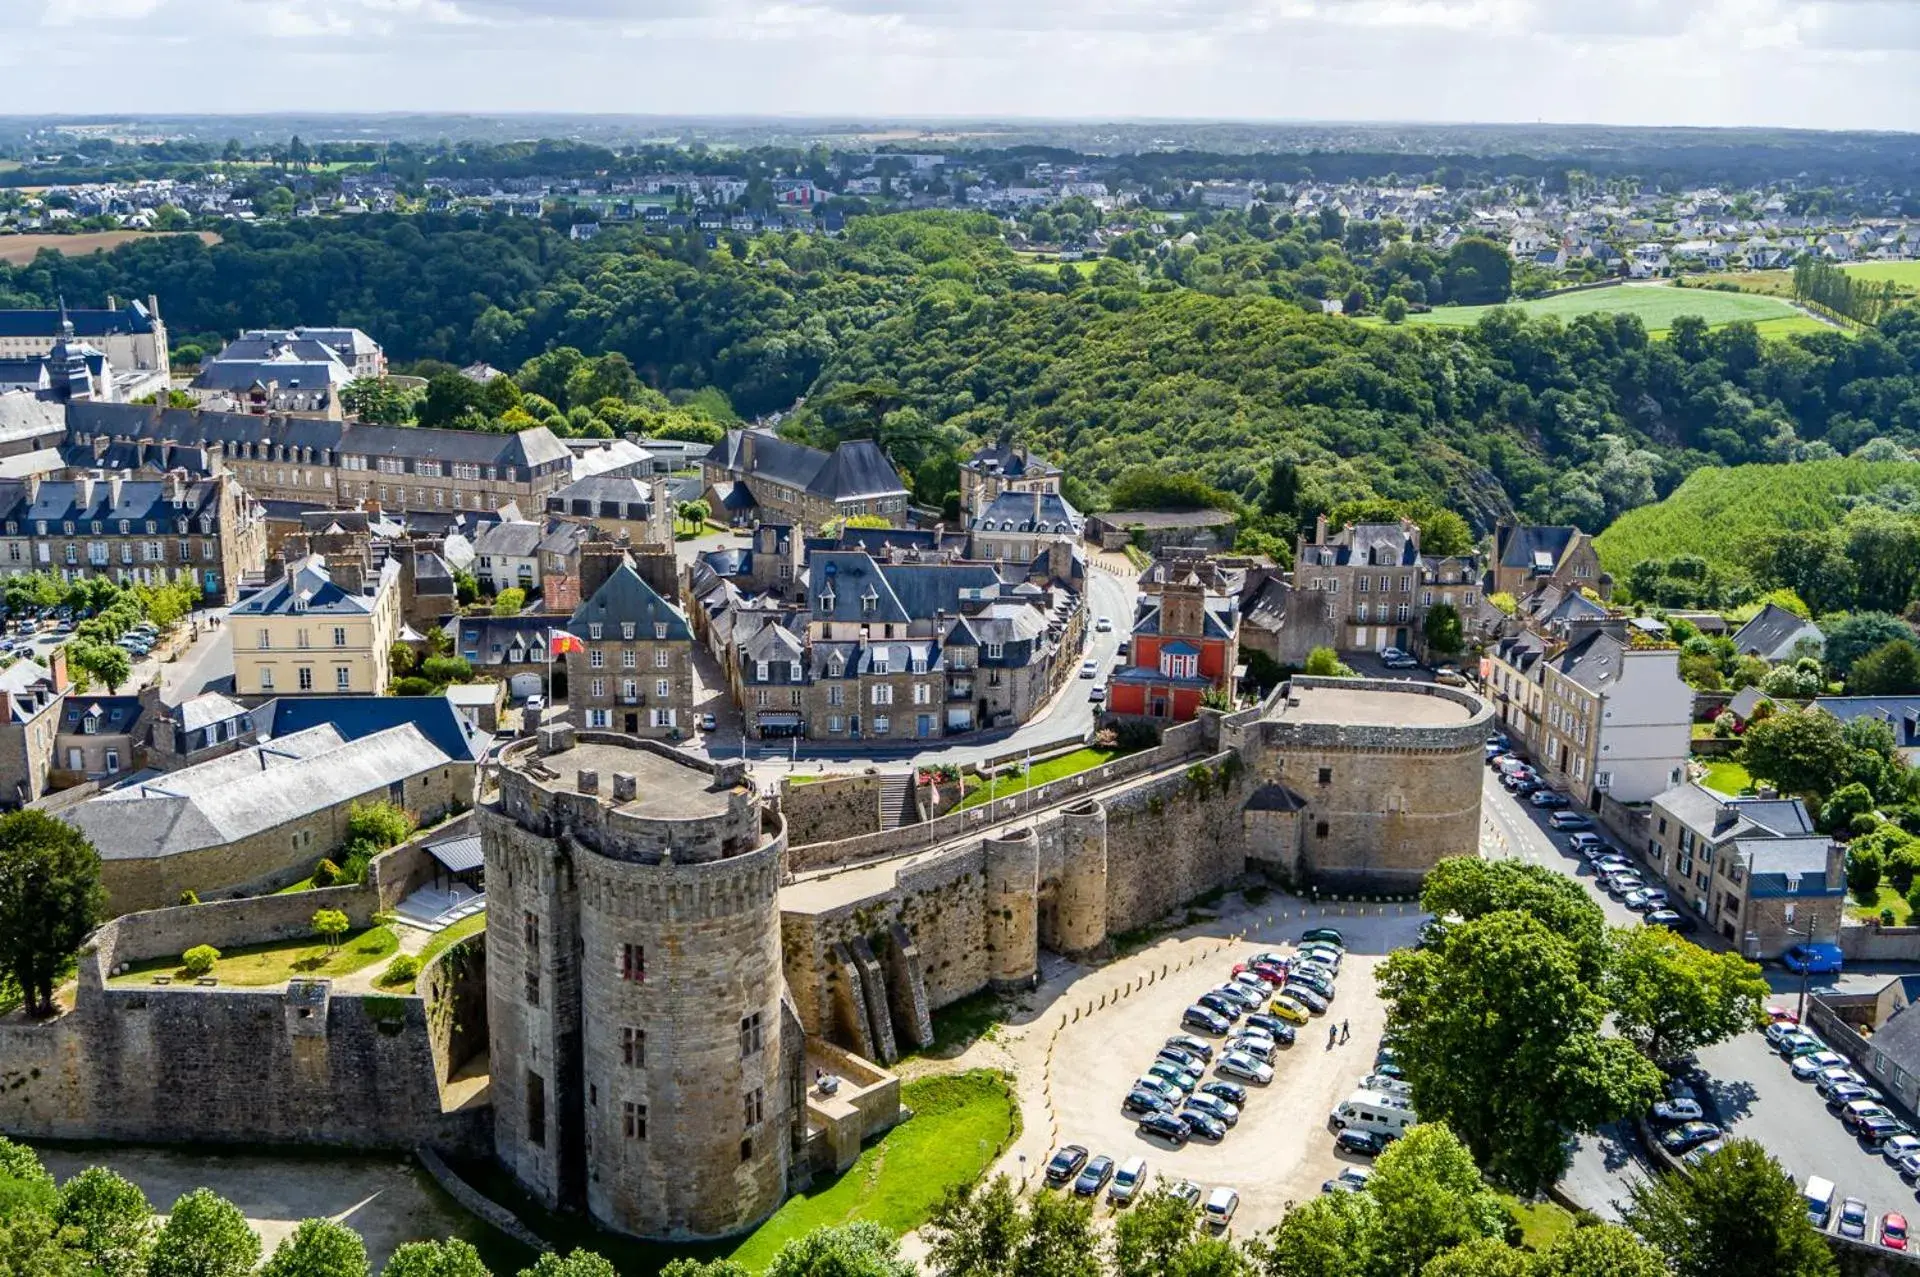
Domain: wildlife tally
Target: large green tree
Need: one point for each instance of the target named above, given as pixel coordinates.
(1892, 669)
(1851, 637)
(205, 1236)
(1328, 1236)
(1670, 997)
(1735, 1212)
(1431, 1198)
(449, 1258)
(1468, 887)
(111, 1221)
(859, 1249)
(1800, 752)
(50, 898)
(1604, 1250)
(318, 1248)
(1501, 1038)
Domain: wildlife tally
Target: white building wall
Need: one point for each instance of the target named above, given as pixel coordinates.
(1646, 726)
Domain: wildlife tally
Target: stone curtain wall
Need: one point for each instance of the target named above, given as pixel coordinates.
(1169, 841)
(226, 924)
(454, 988)
(831, 810)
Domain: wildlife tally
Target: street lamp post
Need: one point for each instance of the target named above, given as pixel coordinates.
(1806, 971)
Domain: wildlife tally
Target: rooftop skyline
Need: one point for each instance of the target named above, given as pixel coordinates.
(1783, 63)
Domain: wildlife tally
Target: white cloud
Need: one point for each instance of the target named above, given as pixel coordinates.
(1821, 63)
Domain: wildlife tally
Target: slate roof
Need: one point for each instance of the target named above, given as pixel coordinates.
(1901, 713)
(1048, 513)
(603, 496)
(1595, 662)
(269, 343)
(516, 540)
(855, 468)
(358, 717)
(25, 416)
(1899, 1038)
(623, 597)
(137, 500)
(1164, 518)
(250, 792)
(86, 323)
(1219, 613)
(1012, 462)
(284, 371)
(1722, 818)
(117, 715)
(1771, 628)
(207, 709)
(853, 580)
(308, 581)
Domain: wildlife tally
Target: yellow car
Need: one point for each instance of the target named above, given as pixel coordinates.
(1289, 1010)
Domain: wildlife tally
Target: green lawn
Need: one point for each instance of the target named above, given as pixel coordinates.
(1889, 899)
(1052, 769)
(1541, 1223)
(256, 965)
(458, 931)
(1727, 776)
(959, 1124)
(294, 888)
(1905, 274)
(1657, 305)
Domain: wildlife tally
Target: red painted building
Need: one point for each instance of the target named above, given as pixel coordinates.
(1184, 642)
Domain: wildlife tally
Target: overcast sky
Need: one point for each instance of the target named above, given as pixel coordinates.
(1812, 63)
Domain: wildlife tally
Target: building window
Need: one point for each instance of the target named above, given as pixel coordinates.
(530, 931)
(633, 1047)
(339, 636)
(633, 963)
(598, 687)
(751, 1039)
(266, 679)
(755, 1106)
(661, 687)
(1320, 829)
(597, 718)
(883, 694)
(342, 677)
(627, 661)
(113, 765)
(746, 1149)
(533, 986)
(305, 674)
(1326, 775)
(597, 659)
(633, 1120)
(536, 1109)
(663, 659)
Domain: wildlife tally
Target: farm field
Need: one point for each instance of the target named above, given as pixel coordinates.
(19, 250)
(1905, 274)
(1657, 305)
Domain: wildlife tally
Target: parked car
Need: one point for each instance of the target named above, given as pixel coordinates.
(1260, 1048)
(1385, 1084)
(1094, 1177)
(1813, 959)
(1174, 1075)
(1166, 1090)
(1853, 1219)
(1274, 1027)
(1203, 1125)
(1290, 1010)
(1590, 845)
(1779, 1031)
(1230, 1092)
(1323, 935)
(1351, 1179)
(1239, 1064)
(1851, 1115)
(1192, 1045)
(1395, 659)
(1186, 1192)
(1313, 979)
(1089, 667)
(1808, 1066)
(1218, 1212)
(1688, 1135)
(1164, 1126)
(1449, 676)
(1826, 1079)
(1898, 1148)
(1676, 1112)
(1322, 953)
(1066, 1163)
(1139, 1103)
(708, 723)
(1847, 1092)
(1213, 1106)
(1358, 1142)
(1893, 1231)
(1671, 920)
(1548, 798)
(1875, 1131)
(1228, 1008)
(1103, 625)
(1205, 1020)
(1127, 1180)
(1564, 820)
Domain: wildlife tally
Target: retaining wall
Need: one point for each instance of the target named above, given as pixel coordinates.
(831, 810)
(1871, 942)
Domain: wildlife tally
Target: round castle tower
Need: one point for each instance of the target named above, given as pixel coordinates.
(634, 986)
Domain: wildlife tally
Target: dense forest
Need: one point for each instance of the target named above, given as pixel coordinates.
(1207, 358)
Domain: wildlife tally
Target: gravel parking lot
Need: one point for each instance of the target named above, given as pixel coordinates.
(1281, 1150)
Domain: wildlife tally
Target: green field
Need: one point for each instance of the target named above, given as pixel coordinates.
(1905, 274)
(1722, 513)
(1657, 305)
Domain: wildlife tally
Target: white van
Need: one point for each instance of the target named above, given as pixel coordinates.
(1221, 1204)
(1127, 1180)
(1380, 1114)
(1819, 1194)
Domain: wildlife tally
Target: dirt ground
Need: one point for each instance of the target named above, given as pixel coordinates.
(387, 1200)
(1282, 1150)
(18, 250)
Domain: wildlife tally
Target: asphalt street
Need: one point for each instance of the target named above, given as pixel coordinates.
(1749, 1085)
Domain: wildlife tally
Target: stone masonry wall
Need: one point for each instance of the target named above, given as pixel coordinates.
(224, 924)
(1169, 841)
(829, 810)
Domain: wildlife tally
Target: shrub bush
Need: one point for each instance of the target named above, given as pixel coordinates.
(189, 897)
(401, 970)
(326, 873)
(200, 959)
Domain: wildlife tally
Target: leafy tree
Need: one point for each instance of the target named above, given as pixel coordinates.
(1892, 669)
(1737, 1212)
(382, 823)
(575, 1263)
(1670, 997)
(859, 1249)
(1604, 1250)
(1797, 680)
(204, 1236)
(1501, 1039)
(1147, 1239)
(378, 400)
(1394, 310)
(1848, 801)
(1443, 629)
(509, 601)
(1865, 865)
(1322, 663)
(696, 511)
(1154, 488)
(1280, 498)
(1332, 1235)
(1799, 752)
(199, 960)
(1477, 272)
(466, 587)
(110, 1221)
(447, 669)
(111, 665)
(1059, 1240)
(1431, 1198)
(50, 898)
(976, 1230)
(330, 924)
(1483, 1257)
(694, 1268)
(318, 1248)
(1852, 637)
(450, 400)
(455, 1258)
(1467, 887)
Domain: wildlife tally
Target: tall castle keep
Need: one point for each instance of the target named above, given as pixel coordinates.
(643, 1060)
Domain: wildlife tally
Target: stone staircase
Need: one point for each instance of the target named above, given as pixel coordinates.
(896, 802)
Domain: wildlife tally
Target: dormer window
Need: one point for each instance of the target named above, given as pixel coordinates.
(593, 630)
(96, 527)
(626, 629)
(126, 526)
(880, 663)
(826, 595)
(181, 525)
(152, 526)
(659, 629)
(837, 665)
(870, 601)
(299, 602)
(760, 672)
(793, 672)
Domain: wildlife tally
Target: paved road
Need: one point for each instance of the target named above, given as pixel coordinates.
(206, 665)
(1747, 1083)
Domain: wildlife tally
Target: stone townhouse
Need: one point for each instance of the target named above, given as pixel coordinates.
(1002, 467)
(334, 464)
(630, 658)
(755, 476)
(507, 556)
(1366, 587)
(1600, 711)
(513, 649)
(32, 698)
(890, 689)
(1528, 557)
(1022, 527)
(326, 627)
(1755, 869)
(99, 738)
(616, 505)
(144, 531)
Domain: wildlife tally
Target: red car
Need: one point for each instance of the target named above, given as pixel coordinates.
(1780, 1015)
(1893, 1232)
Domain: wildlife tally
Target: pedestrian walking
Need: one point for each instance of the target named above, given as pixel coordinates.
(1344, 1035)
(1333, 1036)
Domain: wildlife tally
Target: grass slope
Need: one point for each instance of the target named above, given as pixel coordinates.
(1721, 513)
(257, 965)
(1657, 305)
(1080, 760)
(959, 1124)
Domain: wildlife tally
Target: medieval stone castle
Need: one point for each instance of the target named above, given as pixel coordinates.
(672, 956)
